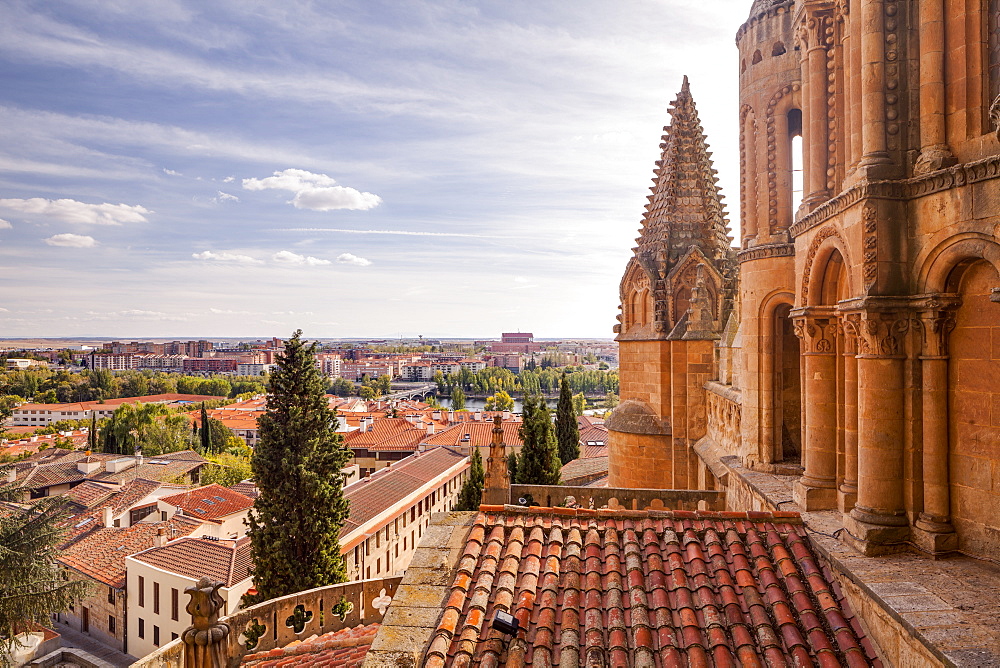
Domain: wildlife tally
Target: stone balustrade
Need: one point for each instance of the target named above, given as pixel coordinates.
(618, 498)
(723, 406)
(279, 621)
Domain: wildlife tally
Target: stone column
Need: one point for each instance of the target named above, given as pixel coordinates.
(815, 122)
(854, 83)
(878, 524)
(934, 151)
(874, 147)
(496, 483)
(817, 488)
(934, 531)
(848, 492)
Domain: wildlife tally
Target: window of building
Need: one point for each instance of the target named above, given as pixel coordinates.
(142, 627)
(142, 593)
(111, 595)
(173, 636)
(397, 550)
(156, 635)
(378, 566)
(404, 543)
(111, 624)
(156, 598)
(174, 604)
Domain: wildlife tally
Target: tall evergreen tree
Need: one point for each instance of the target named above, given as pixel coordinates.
(295, 523)
(457, 399)
(539, 461)
(512, 468)
(206, 431)
(567, 430)
(92, 433)
(471, 494)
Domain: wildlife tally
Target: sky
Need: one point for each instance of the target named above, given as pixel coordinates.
(356, 168)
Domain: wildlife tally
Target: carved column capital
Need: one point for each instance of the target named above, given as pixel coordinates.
(818, 329)
(882, 333)
(850, 324)
(935, 321)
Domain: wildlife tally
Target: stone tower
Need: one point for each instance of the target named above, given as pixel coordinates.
(676, 295)
(496, 486)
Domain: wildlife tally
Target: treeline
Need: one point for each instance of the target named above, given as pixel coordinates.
(491, 380)
(45, 386)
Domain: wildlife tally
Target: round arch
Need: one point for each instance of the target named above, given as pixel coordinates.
(936, 270)
(821, 251)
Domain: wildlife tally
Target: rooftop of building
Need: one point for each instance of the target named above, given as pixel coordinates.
(618, 587)
(345, 648)
(211, 502)
(225, 561)
(478, 434)
(101, 405)
(387, 434)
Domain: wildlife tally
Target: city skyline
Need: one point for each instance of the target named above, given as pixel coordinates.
(439, 169)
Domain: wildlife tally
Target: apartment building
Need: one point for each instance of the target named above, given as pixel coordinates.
(39, 415)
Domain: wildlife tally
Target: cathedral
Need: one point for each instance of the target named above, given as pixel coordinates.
(849, 341)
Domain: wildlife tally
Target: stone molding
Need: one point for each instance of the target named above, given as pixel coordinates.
(766, 251)
(821, 236)
(757, 14)
(817, 328)
(899, 190)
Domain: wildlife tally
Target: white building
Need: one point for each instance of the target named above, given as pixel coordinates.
(157, 578)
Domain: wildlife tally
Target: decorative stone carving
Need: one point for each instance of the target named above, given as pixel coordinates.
(818, 334)
(207, 637)
(766, 251)
(772, 153)
(821, 236)
(881, 333)
(869, 258)
(935, 326)
(995, 116)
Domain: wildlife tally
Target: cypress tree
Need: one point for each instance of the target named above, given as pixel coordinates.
(567, 430)
(471, 494)
(206, 431)
(92, 434)
(512, 468)
(539, 461)
(295, 523)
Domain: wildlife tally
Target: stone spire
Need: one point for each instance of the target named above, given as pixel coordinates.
(496, 487)
(685, 208)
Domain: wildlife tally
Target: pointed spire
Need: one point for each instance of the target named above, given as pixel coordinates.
(686, 206)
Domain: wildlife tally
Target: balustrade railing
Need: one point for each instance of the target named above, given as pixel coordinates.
(618, 498)
(276, 623)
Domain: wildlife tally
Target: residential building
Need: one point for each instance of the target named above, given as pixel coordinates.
(157, 577)
(377, 443)
(39, 415)
(476, 434)
(221, 510)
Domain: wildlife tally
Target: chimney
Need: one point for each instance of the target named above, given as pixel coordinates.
(506, 415)
(478, 416)
(161, 537)
(430, 428)
(106, 517)
(11, 474)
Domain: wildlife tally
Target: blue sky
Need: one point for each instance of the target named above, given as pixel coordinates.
(357, 168)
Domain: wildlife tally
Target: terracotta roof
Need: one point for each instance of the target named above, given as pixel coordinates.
(646, 588)
(101, 554)
(588, 451)
(163, 468)
(211, 502)
(371, 496)
(345, 648)
(227, 561)
(484, 416)
(98, 405)
(246, 488)
(90, 494)
(582, 471)
(479, 434)
(387, 434)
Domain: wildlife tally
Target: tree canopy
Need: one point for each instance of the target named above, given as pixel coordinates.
(539, 461)
(567, 430)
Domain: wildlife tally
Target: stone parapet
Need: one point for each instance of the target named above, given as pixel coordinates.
(619, 498)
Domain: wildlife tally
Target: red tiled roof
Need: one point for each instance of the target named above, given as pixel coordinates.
(387, 434)
(582, 471)
(647, 588)
(345, 648)
(210, 502)
(479, 434)
(373, 495)
(227, 561)
(99, 405)
(90, 494)
(101, 554)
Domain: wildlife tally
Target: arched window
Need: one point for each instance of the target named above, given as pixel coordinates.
(756, 57)
(778, 49)
(743, 66)
(796, 162)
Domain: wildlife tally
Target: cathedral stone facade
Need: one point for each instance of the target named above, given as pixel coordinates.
(852, 339)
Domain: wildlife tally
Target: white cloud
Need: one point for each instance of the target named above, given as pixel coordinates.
(171, 172)
(288, 257)
(223, 311)
(72, 211)
(71, 241)
(348, 258)
(138, 313)
(317, 192)
(229, 179)
(225, 197)
(226, 256)
(404, 233)
(5, 224)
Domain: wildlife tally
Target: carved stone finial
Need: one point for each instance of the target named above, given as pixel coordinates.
(496, 487)
(995, 115)
(206, 639)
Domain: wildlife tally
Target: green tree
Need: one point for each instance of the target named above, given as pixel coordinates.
(579, 403)
(567, 430)
(295, 524)
(383, 384)
(226, 469)
(32, 586)
(457, 399)
(7, 406)
(341, 387)
(501, 401)
(92, 443)
(368, 393)
(512, 464)
(539, 461)
(471, 494)
(439, 379)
